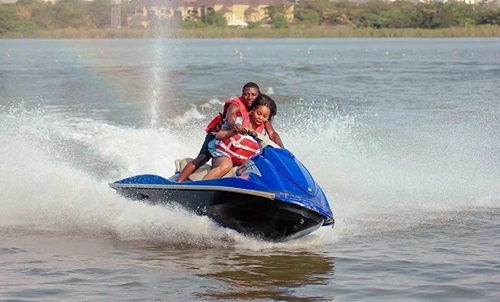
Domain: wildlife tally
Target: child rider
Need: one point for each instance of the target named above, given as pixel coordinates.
(232, 109)
(233, 146)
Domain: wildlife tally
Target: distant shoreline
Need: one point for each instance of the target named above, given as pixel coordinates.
(235, 33)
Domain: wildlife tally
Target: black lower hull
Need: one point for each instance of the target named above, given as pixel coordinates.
(251, 215)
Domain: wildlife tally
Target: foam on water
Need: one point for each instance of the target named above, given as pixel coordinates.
(47, 185)
(56, 169)
(380, 181)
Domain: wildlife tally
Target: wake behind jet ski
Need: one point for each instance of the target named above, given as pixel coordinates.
(272, 196)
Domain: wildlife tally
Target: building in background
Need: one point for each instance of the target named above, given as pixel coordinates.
(236, 12)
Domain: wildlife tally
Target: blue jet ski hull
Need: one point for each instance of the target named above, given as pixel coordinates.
(272, 197)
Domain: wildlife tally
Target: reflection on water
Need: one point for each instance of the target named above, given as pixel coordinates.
(232, 274)
(272, 276)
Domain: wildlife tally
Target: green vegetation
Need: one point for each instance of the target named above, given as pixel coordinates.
(277, 16)
(398, 14)
(291, 32)
(312, 18)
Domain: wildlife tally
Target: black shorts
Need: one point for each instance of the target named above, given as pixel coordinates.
(204, 149)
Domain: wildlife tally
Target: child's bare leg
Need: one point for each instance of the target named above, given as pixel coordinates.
(220, 166)
(192, 166)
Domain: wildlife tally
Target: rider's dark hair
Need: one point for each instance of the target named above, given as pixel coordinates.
(265, 100)
(250, 85)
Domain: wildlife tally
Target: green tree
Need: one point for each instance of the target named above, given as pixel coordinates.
(308, 17)
(276, 15)
(487, 15)
(71, 13)
(10, 21)
(311, 11)
(99, 12)
(43, 15)
(214, 19)
(279, 21)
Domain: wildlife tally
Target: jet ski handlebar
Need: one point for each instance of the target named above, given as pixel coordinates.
(263, 140)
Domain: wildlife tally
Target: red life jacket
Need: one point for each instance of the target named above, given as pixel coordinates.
(241, 147)
(216, 124)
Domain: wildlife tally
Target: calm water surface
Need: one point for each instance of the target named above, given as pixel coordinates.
(402, 134)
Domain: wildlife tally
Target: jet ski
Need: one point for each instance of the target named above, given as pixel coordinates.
(272, 196)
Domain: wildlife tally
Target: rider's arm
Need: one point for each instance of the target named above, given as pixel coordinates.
(231, 115)
(226, 133)
(275, 137)
(223, 134)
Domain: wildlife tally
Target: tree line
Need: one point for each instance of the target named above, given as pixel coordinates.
(398, 14)
(30, 15)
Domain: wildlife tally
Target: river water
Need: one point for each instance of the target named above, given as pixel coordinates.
(402, 135)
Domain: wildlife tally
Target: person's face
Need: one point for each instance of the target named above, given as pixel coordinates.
(249, 94)
(260, 115)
